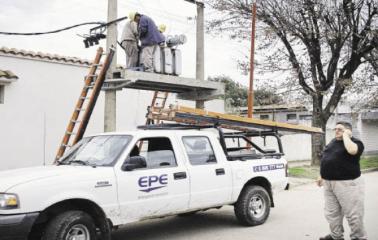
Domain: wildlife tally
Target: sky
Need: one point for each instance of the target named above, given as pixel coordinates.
(221, 54)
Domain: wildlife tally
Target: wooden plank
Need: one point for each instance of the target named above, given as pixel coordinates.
(187, 114)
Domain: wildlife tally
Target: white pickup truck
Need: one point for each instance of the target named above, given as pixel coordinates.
(112, 179)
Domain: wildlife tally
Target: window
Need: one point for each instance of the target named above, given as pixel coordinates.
(199, 150)
(291, 116)
(1, 94)
(158, 152)
(260, 145)
(305, 117)
(264, 117)
(99, 150)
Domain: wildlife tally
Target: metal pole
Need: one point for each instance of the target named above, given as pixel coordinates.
(200, 49)
(252, 61)
(110, 95)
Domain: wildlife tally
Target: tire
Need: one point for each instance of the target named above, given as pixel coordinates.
(74, 223)
(253, 206)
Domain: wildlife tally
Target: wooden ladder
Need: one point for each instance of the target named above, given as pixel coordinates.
(86, 102)
(158, 104)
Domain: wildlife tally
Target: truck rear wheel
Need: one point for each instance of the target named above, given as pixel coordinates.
(253, 206)
(70, 225)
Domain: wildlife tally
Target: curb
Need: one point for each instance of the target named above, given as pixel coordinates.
(369, 170)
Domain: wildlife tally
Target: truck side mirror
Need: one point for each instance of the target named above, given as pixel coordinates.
(134, 162)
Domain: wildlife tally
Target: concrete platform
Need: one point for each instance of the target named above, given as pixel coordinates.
(186, 88)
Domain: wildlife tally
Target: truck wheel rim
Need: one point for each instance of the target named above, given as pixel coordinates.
(78, 232)
(257, 206)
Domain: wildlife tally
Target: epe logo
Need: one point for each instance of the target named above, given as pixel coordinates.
(150, 183)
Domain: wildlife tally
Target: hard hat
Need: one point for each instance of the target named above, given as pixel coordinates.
(132, 16)
(162, 28)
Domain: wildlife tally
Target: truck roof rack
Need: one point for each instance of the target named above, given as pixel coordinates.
(173, 126)
(180, 126)
(192, 116)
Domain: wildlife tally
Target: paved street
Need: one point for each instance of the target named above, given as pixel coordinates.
(298, 215)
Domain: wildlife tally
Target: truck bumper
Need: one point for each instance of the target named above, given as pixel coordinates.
(16, 226)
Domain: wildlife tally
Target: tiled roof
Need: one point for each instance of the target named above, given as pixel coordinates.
(7, 74)
(43, 56)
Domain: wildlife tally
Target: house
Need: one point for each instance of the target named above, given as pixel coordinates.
(297, 146)
(6, 77)
(280, 113)
(36, 106)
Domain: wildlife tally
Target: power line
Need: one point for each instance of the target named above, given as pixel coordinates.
(102, 25)
(49, 32)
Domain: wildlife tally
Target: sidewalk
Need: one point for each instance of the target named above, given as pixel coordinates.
(295, 182)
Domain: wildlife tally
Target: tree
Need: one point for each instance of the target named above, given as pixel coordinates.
(372, 58)
(266, 97)
(237, 94)
(324, 43)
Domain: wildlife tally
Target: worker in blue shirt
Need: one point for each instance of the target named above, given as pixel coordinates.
(150, 38)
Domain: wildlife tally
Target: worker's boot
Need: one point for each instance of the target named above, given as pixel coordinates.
(329, 237)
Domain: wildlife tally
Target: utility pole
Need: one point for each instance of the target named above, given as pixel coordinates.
(110, 95)
(252, 62)
(200, 49)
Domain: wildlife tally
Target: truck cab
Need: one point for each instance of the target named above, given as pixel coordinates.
(112, 179)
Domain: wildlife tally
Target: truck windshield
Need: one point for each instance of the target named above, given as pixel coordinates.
(96, 151)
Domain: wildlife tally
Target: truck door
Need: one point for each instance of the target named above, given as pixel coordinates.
(157, 187)
(210, 178)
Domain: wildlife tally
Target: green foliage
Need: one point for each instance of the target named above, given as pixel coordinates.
(304, 172)
(266, 97)
(313, 172)
(237, 95)
(369, 162)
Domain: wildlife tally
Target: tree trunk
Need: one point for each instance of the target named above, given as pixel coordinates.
(317, 140)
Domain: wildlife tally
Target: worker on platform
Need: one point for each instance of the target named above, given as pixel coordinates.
(150, 39)
(162, 28)
(129, 41)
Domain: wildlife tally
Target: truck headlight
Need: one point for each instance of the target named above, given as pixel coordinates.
(9, 201)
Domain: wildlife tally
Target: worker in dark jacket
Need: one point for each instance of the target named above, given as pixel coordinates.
(150, 39)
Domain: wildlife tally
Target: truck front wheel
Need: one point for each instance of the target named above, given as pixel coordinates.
(253, 206)
(70, 225)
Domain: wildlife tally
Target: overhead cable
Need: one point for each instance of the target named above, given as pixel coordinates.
(101, 25)
(49, 32)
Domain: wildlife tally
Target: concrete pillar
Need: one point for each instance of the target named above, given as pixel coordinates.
(110, 95)
(200, 49)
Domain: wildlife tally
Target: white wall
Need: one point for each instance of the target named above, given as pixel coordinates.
(298, 146)
(38, 106)
(369, 135)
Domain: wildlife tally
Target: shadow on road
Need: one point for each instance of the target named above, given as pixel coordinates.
(173, 227)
